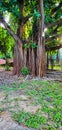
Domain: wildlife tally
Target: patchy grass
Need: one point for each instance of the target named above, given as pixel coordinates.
(55, 67)
(47, 94)
(29, 119)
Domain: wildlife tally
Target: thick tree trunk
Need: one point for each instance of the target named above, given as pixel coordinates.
(39, 62)
(47, 61)
(18, 51)
(41, 46)
(33, 62)
(30, 59)
(25, 57)
(18, 59)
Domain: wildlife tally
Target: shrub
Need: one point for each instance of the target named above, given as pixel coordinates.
(25, 70)
(7, 68)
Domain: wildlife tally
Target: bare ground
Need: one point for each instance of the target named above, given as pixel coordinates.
(8, 98)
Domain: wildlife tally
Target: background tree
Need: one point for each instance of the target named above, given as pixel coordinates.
(6, 43)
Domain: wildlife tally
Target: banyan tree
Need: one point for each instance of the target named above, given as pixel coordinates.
(29, 50)
(33, 55)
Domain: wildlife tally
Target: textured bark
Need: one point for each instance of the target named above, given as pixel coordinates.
(47, 61)
(18, 59)
(18, 54)
(25, 57)
(41, 46)
(33, 62)
(29, 60)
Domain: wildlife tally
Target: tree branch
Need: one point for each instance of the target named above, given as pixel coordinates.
(25, 19)
(49, 48)
(16, 38)
(54, 31)
(56, 8)
(54, 23)
(53, 37)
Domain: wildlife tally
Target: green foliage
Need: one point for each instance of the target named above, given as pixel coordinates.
(7, 67)
(25, 70)
(28, 119)
(50, 97)
(57, 117)
(46, 94)
(36, 14)
(23, 85)
(1, 110)
(33, 45)
(50, 128)
(10, 6)
(26, 46)
(31, 9)
(6, 43)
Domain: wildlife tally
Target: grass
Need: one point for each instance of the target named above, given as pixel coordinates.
(29, 119)
(47, 94)
(55, 67)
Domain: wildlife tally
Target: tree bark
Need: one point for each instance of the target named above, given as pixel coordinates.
(30, 59)
(33, 62)
(25, 57)
(41, 42)
(18, 51)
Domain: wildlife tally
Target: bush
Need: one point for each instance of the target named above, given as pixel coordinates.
(7, 68)
(25, 70)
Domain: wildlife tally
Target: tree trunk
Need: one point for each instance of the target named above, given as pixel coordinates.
(18, 51)
(29, 60)
(18, 59)
(47, 61)
(25, 57)
(33, 63)
(18, 54)
(41, 42)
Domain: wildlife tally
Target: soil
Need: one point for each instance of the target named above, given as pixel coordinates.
(8, 99)
(6, 121)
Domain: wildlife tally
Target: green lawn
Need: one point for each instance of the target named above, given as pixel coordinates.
(45, 94)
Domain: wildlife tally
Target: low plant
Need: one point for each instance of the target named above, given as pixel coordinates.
(26, 46)
(28, 119)
(34, 45)
(50, 128)
(1, 110)
(25, 70)
(7, 68)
